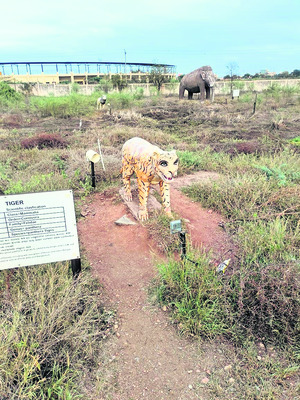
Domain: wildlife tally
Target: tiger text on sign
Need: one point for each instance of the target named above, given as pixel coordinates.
(37, 228)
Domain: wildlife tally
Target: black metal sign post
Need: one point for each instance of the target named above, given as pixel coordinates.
(176, 227)
(182, 239)
(76, 267)
(93, 174)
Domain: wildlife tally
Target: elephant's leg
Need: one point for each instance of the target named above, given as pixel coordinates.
(208, 93)
(190, 95)
(181, 92)
(202, 89)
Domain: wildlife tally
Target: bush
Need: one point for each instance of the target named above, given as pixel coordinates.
(63, 107)
(7, 93)
(138, 94)
(193, 294)
(42, 141)
(264, 302)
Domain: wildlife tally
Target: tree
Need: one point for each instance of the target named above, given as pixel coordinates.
(118, 82)
(157, 76)
(295, 73)
(284, 74)
(232, 68)
(105, 85)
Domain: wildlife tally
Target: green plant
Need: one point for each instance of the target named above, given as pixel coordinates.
(118, 82)
(190, 161)
(37, 183)
(63, 107)
(105, 85)
(193, 293)
(8, 93)
(74, 88)
(296, 141)
(4, 168)
(238, 85)
(157, 76)
(138, 93)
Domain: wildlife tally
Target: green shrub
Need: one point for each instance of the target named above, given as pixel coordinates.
(8, 93)
(37, 183)
(235, 197)
(190, 161)
(138, 93)
(193, 294)
(63, 107)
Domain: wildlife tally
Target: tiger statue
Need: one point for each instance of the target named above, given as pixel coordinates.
(151, 166)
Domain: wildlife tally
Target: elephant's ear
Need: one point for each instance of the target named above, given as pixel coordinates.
(202, 75)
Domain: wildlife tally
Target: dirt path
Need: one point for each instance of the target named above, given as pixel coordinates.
(153, 362)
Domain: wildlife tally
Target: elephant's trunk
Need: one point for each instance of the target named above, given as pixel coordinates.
(212, 93)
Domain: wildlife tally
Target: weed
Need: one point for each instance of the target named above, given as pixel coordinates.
(62, 107)
(8, 93)
(160, 227)
(193, 294)
(296, 141)
(37, 183)
(257, 372)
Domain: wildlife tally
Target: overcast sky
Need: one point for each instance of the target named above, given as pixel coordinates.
(251, 34)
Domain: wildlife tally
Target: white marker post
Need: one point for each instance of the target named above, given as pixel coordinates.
(93, 157)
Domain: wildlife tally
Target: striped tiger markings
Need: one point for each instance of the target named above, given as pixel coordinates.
(151, 166)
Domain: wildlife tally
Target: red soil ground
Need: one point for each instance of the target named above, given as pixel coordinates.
(152, 361)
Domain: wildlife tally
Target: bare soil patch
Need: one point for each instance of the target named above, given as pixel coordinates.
(151, 359)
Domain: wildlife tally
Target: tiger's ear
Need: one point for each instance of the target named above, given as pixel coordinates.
(155, 155)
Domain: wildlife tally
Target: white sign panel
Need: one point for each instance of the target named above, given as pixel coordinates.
(37, 228)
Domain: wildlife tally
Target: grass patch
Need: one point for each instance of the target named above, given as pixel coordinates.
(262, 210)
(255, 372)
(193, 294)
(51, 329)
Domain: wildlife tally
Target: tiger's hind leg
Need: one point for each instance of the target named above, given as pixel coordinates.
(127, 172)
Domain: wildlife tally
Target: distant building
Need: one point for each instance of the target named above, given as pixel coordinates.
(267, 73)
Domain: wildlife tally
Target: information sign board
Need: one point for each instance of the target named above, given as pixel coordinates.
(37, 228)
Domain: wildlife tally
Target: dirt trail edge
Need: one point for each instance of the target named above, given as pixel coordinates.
(153, 362)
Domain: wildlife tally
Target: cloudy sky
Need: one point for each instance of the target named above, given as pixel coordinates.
(252, 35)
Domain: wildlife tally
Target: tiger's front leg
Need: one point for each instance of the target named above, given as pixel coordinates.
(165, 196)
(127, 172)
(143, 189)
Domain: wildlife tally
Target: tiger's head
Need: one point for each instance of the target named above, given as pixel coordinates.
(165, 164)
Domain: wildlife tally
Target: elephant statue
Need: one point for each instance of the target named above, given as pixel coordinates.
(201, 81)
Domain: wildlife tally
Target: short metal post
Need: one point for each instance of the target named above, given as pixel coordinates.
(183, 244)
(76, 267)
(93, 174)
(254, 104)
